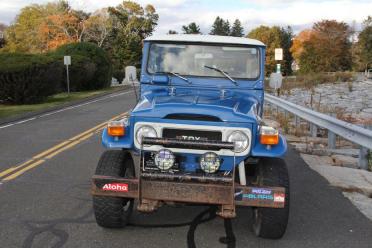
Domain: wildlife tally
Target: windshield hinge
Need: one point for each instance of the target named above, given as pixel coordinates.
(172, 91)
(222, 94)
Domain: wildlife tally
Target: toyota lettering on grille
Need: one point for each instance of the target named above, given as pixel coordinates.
(196, 135)
(185, 137)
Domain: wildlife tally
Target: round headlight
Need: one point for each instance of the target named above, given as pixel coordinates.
(145, 131)
(164, 159)
(240, 139)
(210, 162)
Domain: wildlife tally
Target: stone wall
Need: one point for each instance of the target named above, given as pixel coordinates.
(349, 101)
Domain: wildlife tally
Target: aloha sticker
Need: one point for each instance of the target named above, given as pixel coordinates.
(279, 197)
(120, 187)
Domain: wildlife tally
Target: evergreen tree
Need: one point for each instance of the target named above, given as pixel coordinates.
(237, 29)
(220, 27)
(226, 27)
(286, 35)
(192, 28)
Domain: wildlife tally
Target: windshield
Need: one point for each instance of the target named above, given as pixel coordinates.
(190, 60)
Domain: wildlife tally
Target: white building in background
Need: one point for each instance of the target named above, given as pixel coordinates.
(1, 34)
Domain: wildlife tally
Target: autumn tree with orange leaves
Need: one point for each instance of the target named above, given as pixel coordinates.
(63, 28)
(41, 28)
(324, 48)
(298, 43)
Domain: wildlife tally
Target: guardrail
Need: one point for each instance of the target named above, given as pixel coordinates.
(351, 132)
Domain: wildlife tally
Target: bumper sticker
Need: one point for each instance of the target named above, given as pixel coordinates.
(261, 191)
(279, 197)
(119, 187)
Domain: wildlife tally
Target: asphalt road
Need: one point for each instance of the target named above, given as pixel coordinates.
(48, 204)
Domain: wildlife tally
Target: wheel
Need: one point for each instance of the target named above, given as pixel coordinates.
(271, 223)
(114, 212)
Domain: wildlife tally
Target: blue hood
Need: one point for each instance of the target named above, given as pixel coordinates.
(234, 107)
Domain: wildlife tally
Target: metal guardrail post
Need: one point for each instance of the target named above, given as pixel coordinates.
(297, 121)
(363, 155)
(331, 137)
(313, 130)
(363, 158)
(331, 140)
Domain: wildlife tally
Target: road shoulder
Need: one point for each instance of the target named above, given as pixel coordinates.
(355, 184)
(31, 114)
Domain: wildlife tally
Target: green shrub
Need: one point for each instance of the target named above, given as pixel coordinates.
(90, 66)
(28, 78)
(119, 75)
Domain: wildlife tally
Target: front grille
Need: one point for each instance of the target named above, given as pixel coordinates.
(187, 134)
(191, 135)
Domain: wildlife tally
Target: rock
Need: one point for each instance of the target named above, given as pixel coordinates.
(318, 160)
(347, 152)
(345, 161)
(357, 103)
(365, 116)
(300, 146)
(292, 138)
(320, 152)
(367, 110)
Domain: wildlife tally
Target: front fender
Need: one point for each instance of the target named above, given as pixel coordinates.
(125, 142)
(276, 151)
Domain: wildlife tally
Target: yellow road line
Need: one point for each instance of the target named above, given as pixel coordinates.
(20, 172)
(69, 146)
(11, 169)
(53, 151)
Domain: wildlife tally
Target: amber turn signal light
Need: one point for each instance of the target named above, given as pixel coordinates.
(116, 128)
(269, 136)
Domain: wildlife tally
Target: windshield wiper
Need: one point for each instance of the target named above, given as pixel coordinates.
(222, 72)
(176, 75)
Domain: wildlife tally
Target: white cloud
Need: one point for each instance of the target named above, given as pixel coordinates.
(175, 13)
(295, 13)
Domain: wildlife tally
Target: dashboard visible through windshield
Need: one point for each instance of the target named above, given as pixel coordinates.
(194, 60)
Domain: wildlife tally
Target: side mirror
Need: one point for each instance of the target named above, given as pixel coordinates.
(160, 79)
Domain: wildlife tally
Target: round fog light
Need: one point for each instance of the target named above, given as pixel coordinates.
(164, 159)
(210, 162)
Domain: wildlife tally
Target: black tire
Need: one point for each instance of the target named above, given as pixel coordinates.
(114, 212)
(271, 223)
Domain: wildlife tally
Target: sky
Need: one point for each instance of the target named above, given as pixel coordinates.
(173, 14)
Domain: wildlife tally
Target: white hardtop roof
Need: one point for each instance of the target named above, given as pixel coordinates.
(205, 39)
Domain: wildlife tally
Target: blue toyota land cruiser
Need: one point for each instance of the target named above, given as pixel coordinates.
(196, 135)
